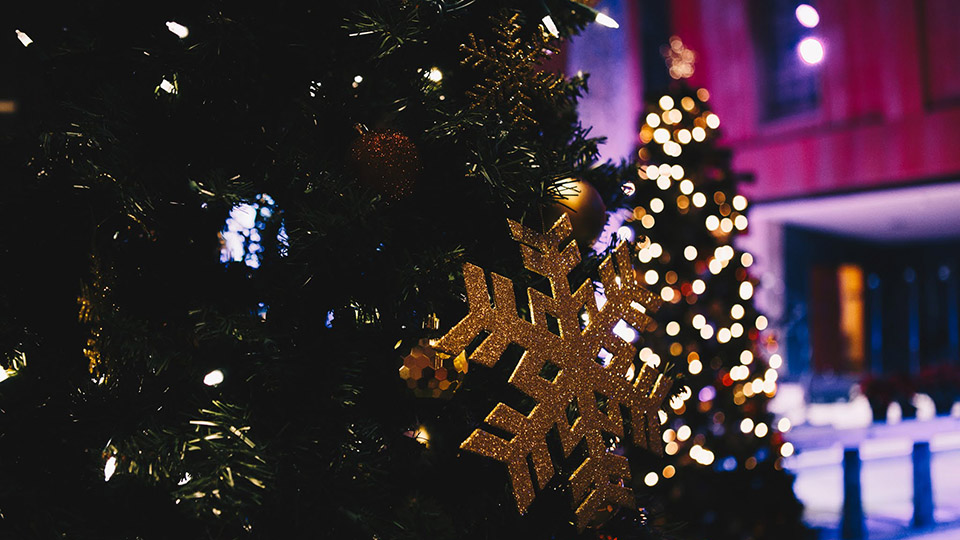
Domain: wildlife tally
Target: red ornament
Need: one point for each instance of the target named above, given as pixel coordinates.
(387, 162)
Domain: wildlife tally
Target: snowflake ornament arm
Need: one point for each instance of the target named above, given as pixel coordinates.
(512, 80)
(596, 389)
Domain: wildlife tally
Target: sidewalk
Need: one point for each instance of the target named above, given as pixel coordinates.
(886, 479)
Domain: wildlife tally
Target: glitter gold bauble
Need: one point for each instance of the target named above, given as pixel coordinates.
(583, 203)
(387, 162)
(592, 371)
(430, 373)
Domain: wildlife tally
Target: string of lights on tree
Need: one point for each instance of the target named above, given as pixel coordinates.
(687, 207)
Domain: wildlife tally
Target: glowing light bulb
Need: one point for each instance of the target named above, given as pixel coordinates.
(807, 15)
(686, 187)
(605, 20)
(713, 121)
(168, 87)
(695, 367)
(786, 450)
(736, 329)
(699, 134)
(666, 103)
(712, 223)
(656, 205)
(673, 328)
(651, 479)
(746, 260)
(661, 135)
(698, 321)
(109, 468)
(760, 430)
(746, 357)
(651, 277)
(739, 203)
(746, 290)
(178, 29)
(736, 311)
(689, 253)
(698, 286)
(653, 120)
(668, 294)
(699, 199)
(676, 171)
(775, 361)
(684, 433)
(213, 378)
(434, 74)
(762, 323)
(746, 425)
(784, 425)
(811, 51)
(551, 27)
(24, 38)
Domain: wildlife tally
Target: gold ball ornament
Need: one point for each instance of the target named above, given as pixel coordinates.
(387, 162)
(430, 373)
(584, 205)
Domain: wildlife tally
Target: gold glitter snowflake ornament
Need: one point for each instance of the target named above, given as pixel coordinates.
(595, 376)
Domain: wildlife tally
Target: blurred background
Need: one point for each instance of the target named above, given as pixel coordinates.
(842, 116)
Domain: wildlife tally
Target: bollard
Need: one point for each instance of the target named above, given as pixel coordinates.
(922, 486)
(852, 526)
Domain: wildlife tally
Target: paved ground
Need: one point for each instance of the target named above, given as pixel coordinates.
(887, 489)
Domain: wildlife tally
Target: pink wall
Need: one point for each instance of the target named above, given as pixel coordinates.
(890, 90)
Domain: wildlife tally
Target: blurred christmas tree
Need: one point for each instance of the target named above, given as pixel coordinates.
(235, 228)
(722, 476)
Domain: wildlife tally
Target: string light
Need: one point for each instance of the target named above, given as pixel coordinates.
(656, 205)
(746, 357)
(666, 102)
(746, 260)
(653, 120)
(699, 199)
(673, 328)
(178, 29)
(760, 430)
(24, 38)
(746, 290)
(651, 479)
(694, 367)
(109, 468)
(686, 187)
(551, 27)
(213, 378)
(761, 323)
(784, 425)
(736, 329)
(712, 223)
(746, 425)
(699, 134)
(434, 74)
(775, 361)
(713, 121)
(807, 15)
(786, 450)
(690, 253)
(676, 171)
(605, 20)
(736, 311)
(168, 87)
(739, 203)
(683, 433)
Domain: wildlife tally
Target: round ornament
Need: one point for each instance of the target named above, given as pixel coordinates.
(387, 162)
(583, 203)
(430, 373)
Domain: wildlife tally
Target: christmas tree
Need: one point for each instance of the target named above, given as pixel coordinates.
(722, 476)
(238, 254)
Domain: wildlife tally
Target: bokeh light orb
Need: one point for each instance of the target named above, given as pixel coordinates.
(808, 15)
(810, 51)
